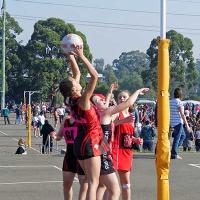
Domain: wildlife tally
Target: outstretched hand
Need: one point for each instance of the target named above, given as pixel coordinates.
(78, 50)
(142, 91)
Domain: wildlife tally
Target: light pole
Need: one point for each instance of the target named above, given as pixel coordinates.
(29, 113)
(3, 54)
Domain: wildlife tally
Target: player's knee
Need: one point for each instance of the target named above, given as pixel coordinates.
(126, 186)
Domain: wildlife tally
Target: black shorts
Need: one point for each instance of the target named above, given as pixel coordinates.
(106, 164)
(89, 146)
(70, 162)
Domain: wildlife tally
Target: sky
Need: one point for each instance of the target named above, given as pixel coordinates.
(112, 26)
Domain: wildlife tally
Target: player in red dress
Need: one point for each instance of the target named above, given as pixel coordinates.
(107, 114)
(89, 142)
(124, 139)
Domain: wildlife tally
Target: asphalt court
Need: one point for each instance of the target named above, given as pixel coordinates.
(39, 177)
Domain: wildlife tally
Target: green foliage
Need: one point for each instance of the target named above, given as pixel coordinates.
(132, 83)
(134, 61)
(183, 71)
(102, 87)
(13, 60)
(44, 62)
(109, 74)
(99, 65)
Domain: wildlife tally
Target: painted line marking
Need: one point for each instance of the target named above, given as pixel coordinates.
(25, 166)
(75, 178)
(4, 133)
(34, 166)
(195, 165)
(34, 149)
(34, 182)
(57, 168)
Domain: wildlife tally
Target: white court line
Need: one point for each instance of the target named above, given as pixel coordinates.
(34, 149)
(25, 166)
(75, 178)
(57, 168)
(195, 165)
(34, 182)
(4, 133)
(34, 166)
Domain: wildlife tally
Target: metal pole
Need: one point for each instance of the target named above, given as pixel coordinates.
(163, 14)
(3, 55)
(49, 145)
(29, 115)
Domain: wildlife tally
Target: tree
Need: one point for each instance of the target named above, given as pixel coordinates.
(183, 71)
(134, 61)
(109, 75)
(129, 69)
(13, 60)
(44, 62)
(99, 64)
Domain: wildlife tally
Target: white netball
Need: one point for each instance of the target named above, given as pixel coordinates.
(68, 42)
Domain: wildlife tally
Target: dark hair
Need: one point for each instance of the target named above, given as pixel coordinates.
(65, 88)
(178, 93)
(125, 91)
(46, 122)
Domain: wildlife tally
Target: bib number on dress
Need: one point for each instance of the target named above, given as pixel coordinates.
(70, 134)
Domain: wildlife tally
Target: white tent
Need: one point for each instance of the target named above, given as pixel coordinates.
(191, 102)
(145, 101)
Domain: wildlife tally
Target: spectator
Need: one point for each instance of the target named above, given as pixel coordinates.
(56, 117)
(134, 110)
(35, 125)
(41, 120)
(197, 139)
(148, 134)
(44, 109)
(5, 114)
(187, 143)
(21, 147)
(18, 112)
(61, 113)
(177, 119)
(47, 141)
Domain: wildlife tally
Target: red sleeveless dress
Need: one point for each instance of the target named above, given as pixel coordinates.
(121, 152)
(89, 141)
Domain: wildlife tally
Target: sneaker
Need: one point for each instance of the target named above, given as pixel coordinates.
(179, 157)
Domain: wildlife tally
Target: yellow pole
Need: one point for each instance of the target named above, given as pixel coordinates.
(29, 125)
(163, 114)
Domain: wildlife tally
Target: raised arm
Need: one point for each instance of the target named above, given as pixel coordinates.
(74, 67)
(130, 101)
(85, 98)
(110, 93)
